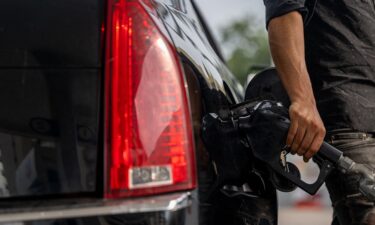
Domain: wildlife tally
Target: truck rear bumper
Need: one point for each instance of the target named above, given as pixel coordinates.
(170, 209)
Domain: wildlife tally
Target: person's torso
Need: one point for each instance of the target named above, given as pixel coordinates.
(340, 53)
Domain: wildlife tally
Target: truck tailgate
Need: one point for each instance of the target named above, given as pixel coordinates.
(50, 82)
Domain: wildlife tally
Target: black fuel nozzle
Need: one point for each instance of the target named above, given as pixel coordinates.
(253, 133)
(267, 130)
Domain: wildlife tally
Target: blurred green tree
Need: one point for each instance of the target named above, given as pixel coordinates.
(246, 44)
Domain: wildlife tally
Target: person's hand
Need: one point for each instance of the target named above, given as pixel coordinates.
(306, 132)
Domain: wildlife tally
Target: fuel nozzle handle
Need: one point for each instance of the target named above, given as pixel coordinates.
(328, 152)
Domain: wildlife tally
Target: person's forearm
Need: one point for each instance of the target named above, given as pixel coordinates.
(286, 38)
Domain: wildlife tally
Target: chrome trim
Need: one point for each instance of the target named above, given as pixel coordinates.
(170, 202)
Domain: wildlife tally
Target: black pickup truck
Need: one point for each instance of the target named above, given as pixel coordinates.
(101, 107)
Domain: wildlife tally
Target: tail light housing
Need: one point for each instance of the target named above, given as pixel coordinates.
(149, 145)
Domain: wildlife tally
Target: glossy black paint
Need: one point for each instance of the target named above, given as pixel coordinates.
(211, 88)
(48, 131)
(62, 33)
(50, 79)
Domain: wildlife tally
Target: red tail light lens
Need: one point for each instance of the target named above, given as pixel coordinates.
(148, 130)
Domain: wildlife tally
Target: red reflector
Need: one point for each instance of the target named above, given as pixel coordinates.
(148, 130)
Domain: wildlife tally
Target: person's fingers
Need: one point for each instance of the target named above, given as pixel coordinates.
(311, 151)
(301, 131)
(315, 145)
(307, 141)
(292, 133)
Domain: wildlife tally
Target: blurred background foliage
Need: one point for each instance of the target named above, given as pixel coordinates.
(246, 46)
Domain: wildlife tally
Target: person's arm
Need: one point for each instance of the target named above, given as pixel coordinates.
(286, 39)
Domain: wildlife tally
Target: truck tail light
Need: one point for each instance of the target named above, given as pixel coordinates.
(149, 146)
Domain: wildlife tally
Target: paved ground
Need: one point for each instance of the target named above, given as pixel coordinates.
(292, 216)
